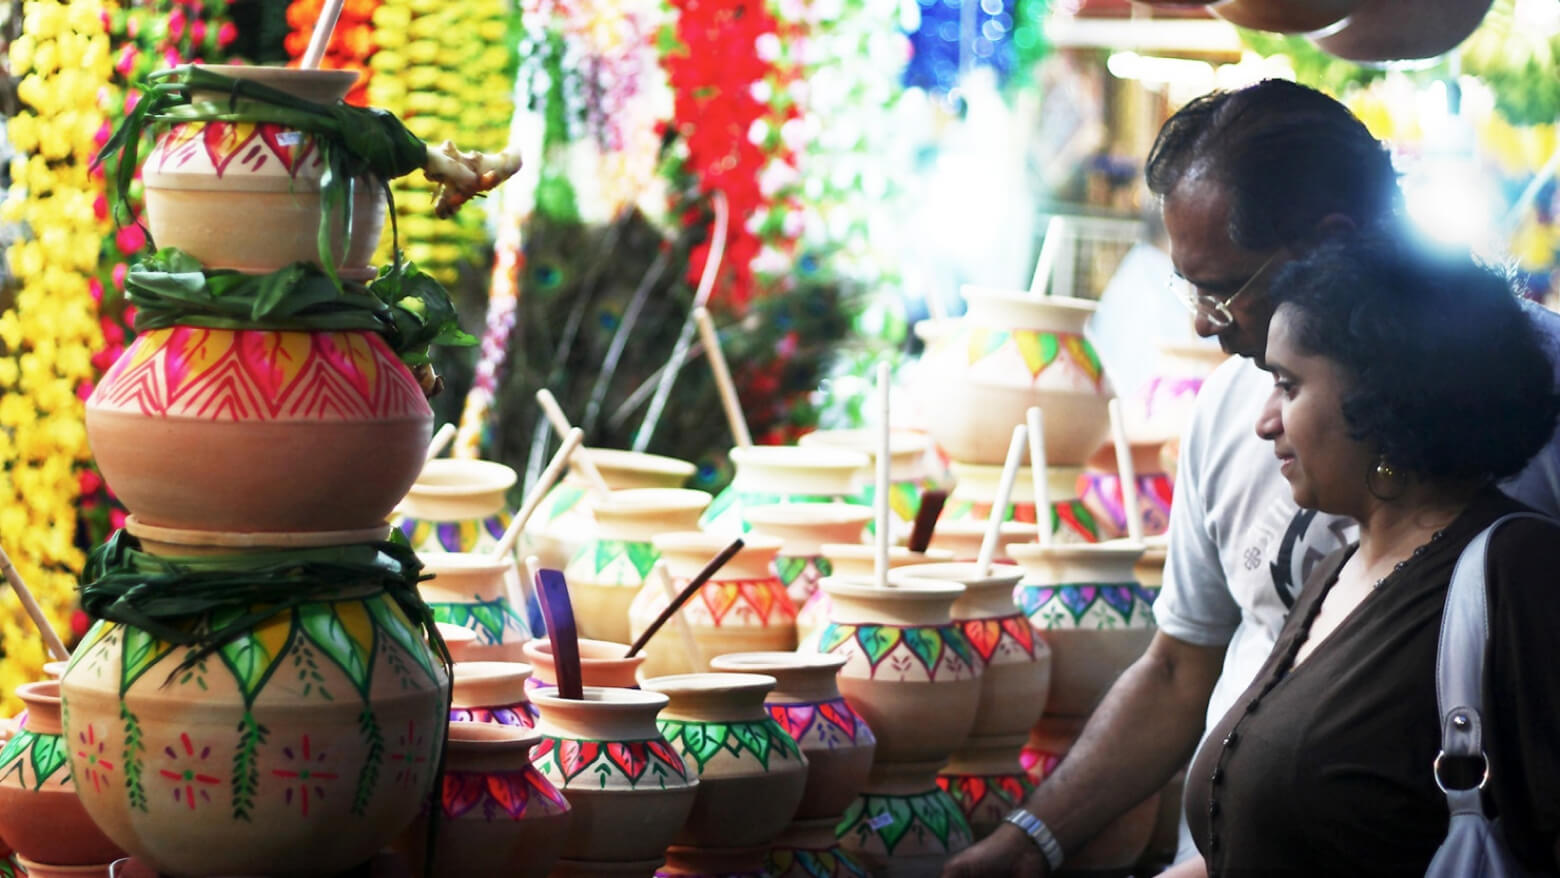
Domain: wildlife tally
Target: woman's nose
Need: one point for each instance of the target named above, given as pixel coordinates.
(1270, 424)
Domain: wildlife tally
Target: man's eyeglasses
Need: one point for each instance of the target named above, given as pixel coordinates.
(1215, 311)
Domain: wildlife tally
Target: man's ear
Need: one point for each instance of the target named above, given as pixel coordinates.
(1333, 225)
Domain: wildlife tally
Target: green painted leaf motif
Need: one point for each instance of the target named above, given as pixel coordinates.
(88, 640)
(899, 810)
(564, 498)
(323, 626)
(451, 614)
(606, 552)
(490, 618)
(754, 738)
(700, 741)
(390, 620)
(643, 556)
(878, 641)
(851, 815)
(48, 757)
(246, 657)
(824, 565)
(833, 635)
(929, 810)
(15, 747)
(141, 651)
(959, 645)
(927, 644)
(717, 508)
(788, 568)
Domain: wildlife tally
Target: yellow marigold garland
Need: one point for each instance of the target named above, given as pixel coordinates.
(47, 337)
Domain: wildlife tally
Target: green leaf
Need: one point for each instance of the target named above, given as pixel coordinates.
(15, 747)
(643, 556)
(490, 619)
(323, 625)
(700, 741)
(755, 738)
(393, 622)
(899, 810)
(927, 644)
(48, 756)
(928, 809)
(246, 657)
(139, 653)
(607, 551)
(789, 567)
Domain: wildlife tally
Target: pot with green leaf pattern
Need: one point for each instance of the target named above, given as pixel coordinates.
(566, 517)
(900, 827)
(479, 592)
(457, 505)
(768, 474)
(804, 529)
(751, 772)
(607, 571)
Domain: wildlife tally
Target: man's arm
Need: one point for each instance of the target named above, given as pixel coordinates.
(1144, 730)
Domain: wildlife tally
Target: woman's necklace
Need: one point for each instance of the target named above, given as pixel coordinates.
(1419, 550)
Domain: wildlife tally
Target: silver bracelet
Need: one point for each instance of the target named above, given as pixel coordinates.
(1038, 833)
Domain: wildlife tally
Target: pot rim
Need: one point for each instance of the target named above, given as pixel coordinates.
(900, 441)
(1023, 298)
(609, 698)
(459, 633)
(1119, 549)
(908, 588)
(516, 737)
(693, 540)
(629, 500)
(780, 514)
(543, 649)
(491, 476)
(966, 573)
(700, 683)
(239, 71)
(895, 553)
(488, 670)
(812, 457)
(977, 526)
(464, 562)
(732, 663)
(639, 461)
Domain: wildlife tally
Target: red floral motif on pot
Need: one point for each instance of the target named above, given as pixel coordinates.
(575, 757)
(222, 142)
(304, 774)
(832, 720)
(761, 597)
(191, 777)
(987, 634)
(90, 751)
(509, 793)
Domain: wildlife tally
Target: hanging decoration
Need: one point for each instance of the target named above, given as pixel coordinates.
(950, 37)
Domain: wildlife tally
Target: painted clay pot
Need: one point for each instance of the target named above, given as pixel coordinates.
(602, 663)
(1099, 487)
(173, 416)
(41, 815)
(804, 529)
(1380, 31)
(962, 539)
(217, 544)
(1170, 396)
(246, 196)
(609, 568)
(1095, 616)
(987, 780)
(1285, 16)
(1119, 845)
(1010, 351)
(1150, 568)
(853, 561)
(976, 491)
(31, 869)
(10, 866)
(751, 773)
(457, 505)
(743, 608)
(492, 692)
(768, 474)
(631, 792)
(908, 473)
(566, 517)
(902, 826)
(473, 591)
(458, 639)
(323, 724)
(498, 815)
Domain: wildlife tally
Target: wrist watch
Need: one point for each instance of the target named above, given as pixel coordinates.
(1038, 833)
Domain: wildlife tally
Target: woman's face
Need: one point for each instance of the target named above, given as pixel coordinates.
(1303, 418)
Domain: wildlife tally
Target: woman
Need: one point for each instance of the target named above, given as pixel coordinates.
(1404, 386)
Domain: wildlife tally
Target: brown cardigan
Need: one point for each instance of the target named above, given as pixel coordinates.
(1326, 770)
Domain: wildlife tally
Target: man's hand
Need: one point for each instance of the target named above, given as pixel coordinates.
(1006, 852)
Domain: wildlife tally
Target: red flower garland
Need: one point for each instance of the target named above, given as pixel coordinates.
(351, 43)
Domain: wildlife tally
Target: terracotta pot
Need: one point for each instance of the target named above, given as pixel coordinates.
(768, 474)
(962, 539)
(1150, 568)
(808, 849)
(1119, 845)
(908, 472)
(630, 790)
(904, 827)
(987, 781)
(473, 591)
(804, 529)
(1285, 16)
(39, 870)
(458, 639)
(744, 607)
(609, 568)
(1170, 396)
(1099, 487)
(751, 773)
(322, 724)
(1095, 616)
(498, 814)
(492, 692)
(1382, 30)
(602, 663)
(173, 417)
(566, 517)
(246, 196)
(41, 816)
(852, 561)
(1013, 350)
(457, 505)
(976, 491)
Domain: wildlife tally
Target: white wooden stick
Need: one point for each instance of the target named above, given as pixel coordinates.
(506, 543)
(439, 440)
(880, 498)
(320, 39)
(51, 640)
(1041, 284)
(1129, 494)
(728, 390)
(663, 575)
(560, 424)
(1037, 466)
(988, 545)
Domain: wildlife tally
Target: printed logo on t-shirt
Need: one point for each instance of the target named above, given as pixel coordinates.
(1305, 543)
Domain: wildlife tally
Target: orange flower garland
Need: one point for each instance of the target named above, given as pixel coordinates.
(351, 43)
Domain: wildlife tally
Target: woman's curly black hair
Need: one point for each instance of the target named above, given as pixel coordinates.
(1451, 376)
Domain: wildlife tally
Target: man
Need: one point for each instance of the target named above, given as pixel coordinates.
(1248, 180)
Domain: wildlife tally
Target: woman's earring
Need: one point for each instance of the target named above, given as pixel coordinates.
(1384, 470)
(1380, 479)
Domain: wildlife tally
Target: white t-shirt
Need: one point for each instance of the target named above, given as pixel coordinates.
(1239, 546)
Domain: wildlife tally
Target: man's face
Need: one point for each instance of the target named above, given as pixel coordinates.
(1197, 214)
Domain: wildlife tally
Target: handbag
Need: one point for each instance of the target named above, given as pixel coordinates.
(1474, 846)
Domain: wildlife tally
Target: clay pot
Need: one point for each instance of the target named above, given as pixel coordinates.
(1382, 30)
(244, 196)
(1099, 487)
(1121, 843)
(1285, 16)
(1010, 351)
(902, 827)
(751, 773)
(253, 430)
(41, 816)
(631, 792)
(609, 568)
(854, 561)
(987, 780)
(1095, 616)
(804, 529)
(744, 607)
(1150, 568)
(39, 870)
(457, 505)
(498, 814)
(566, 517)
(1170, 396)
(323, 724)
(976, 491)
(458, 639)
(908, 473)
(473, 591)
(768, 474)
(492, 692)
(962, 539)
(602, 663)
